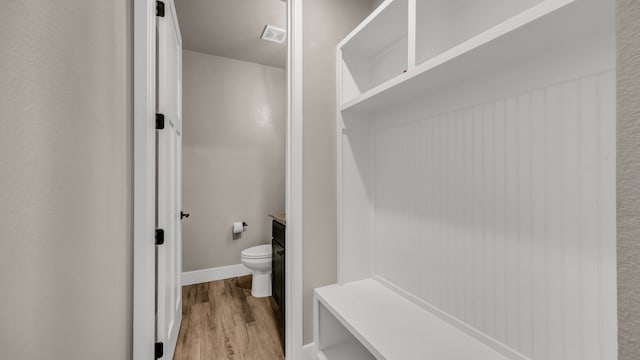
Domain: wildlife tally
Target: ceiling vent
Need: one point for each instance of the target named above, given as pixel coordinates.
(273, 34)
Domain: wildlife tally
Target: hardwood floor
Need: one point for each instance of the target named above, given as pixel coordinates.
(221, 320)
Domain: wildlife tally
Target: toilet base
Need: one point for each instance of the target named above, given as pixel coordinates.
(261, 284)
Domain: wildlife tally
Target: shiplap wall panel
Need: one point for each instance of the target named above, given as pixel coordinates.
(502, 216)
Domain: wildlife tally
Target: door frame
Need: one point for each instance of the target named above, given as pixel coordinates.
(144, 105)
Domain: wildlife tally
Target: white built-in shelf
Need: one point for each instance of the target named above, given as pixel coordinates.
(476, 190)
(349, 350)
(377, 50)
(547, 25)
(392, 327)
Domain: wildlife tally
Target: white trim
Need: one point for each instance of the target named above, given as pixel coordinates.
(308, 351)
(144, 104)
(339, 139)
(293, 202)
(214, 274)
(411, 35)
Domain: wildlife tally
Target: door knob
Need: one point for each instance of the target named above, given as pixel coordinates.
(183, 215)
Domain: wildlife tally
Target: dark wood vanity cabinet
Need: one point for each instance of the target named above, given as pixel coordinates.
(278, 270)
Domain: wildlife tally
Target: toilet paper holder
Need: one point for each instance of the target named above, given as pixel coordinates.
(238, 228)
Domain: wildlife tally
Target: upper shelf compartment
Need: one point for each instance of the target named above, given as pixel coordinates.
(453, 59)
(375, 51)
(443, 24)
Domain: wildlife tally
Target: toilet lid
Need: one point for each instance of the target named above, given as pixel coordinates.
(257, 252)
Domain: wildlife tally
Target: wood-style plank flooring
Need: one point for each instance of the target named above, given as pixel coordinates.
(221, 320)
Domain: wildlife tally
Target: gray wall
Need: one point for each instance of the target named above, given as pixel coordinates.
(376, 3)
(65, 181)
(233, 156)
(628, 41)
(319, 139)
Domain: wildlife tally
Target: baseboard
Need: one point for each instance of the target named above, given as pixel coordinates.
(307, 351)
(213, 274)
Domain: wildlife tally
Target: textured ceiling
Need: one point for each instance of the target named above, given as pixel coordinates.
(232, 28)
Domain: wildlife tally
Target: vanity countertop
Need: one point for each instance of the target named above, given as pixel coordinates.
(279, 217)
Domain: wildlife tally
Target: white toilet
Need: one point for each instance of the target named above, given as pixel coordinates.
(258, 259)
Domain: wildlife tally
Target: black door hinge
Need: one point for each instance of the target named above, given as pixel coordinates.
(159, 350)
(160, 8)
(159, 236)
(159, 121)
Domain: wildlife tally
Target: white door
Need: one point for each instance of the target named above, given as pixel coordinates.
(169, 185)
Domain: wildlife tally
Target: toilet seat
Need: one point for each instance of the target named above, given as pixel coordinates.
(257, 252)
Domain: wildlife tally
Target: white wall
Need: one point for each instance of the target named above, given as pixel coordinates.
(502, 215)
(65, 183)
(233, 156)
